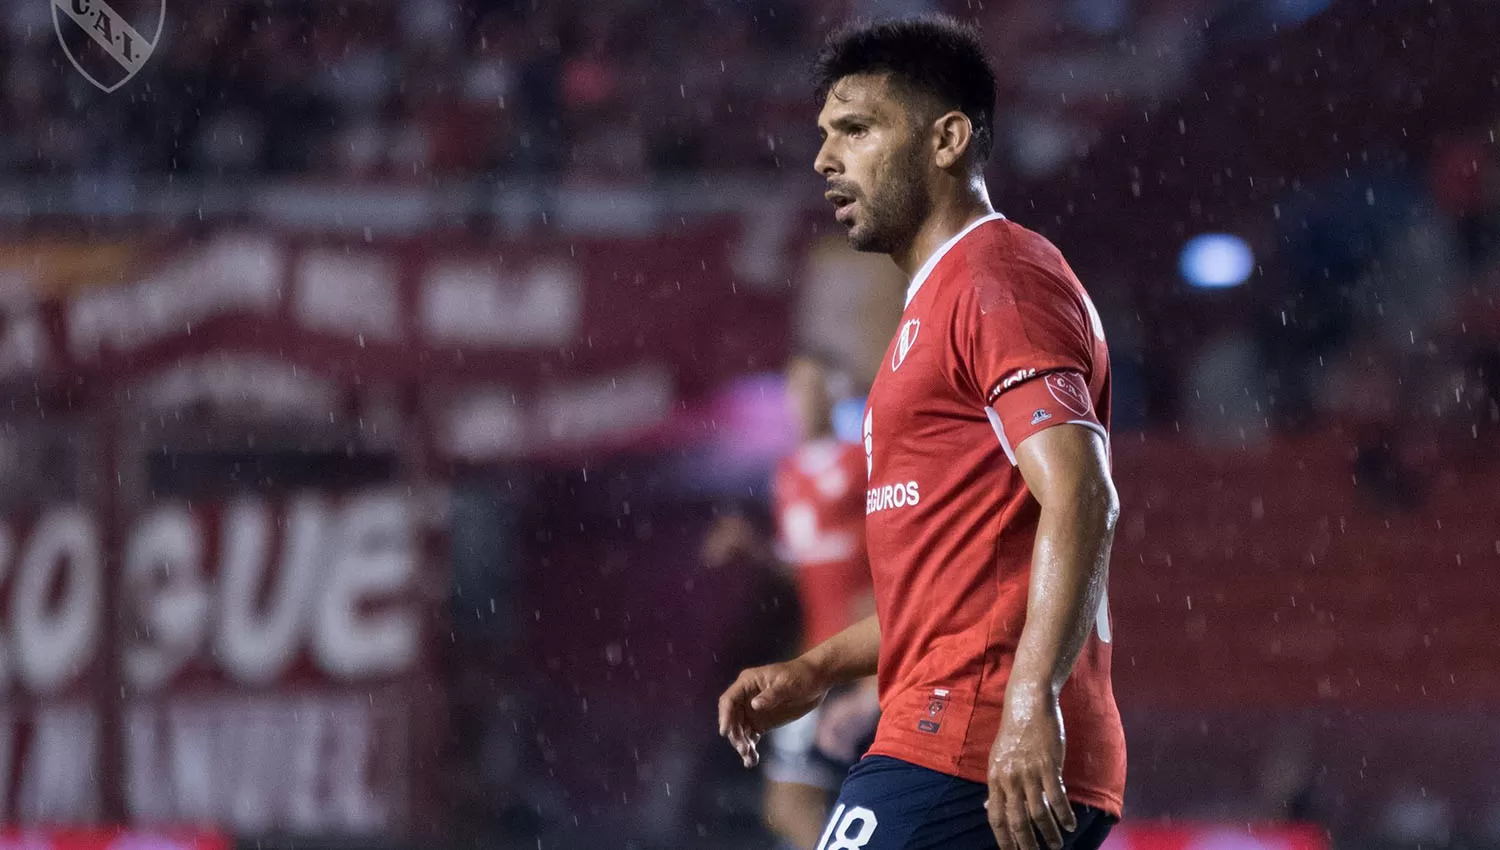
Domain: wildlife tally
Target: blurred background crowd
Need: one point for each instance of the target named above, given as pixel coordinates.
(488, 301)
(436, 88)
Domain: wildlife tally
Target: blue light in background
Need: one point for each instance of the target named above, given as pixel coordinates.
(1216, 261)
(848, 419)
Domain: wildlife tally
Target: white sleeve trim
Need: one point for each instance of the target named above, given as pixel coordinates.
(1010, 453)
(1000, 433)
(1092, 426)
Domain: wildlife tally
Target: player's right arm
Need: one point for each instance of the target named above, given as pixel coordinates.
(763, 698)
(850, 655)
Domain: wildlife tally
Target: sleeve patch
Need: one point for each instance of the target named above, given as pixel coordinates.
(1054, 398)
(1068, 389)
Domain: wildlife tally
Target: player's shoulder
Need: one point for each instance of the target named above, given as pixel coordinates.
(1009, 254)
(846, 462)
(820, 469)
(1009, 264)
(818, 456)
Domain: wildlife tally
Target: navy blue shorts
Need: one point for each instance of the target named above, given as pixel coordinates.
(889, 804)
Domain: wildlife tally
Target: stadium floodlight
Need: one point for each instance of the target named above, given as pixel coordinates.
(1216, 261)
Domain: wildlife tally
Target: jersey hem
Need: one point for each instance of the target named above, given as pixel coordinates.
(1110, 804)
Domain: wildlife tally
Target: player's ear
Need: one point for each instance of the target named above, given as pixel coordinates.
(953, 133)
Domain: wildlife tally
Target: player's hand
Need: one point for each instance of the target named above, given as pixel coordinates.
(763, 698)
(1025, 775)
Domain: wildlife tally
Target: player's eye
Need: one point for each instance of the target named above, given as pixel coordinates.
(858, 131)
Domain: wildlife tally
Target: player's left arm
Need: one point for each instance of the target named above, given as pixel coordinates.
(1066, 468)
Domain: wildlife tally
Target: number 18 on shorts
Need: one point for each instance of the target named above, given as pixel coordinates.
(850, 828)
(889, 804)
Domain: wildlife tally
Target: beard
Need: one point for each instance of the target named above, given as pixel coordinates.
(894, 210)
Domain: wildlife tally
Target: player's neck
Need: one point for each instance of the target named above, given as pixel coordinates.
(947, 219)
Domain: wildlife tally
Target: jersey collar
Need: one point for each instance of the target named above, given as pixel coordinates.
(932, 261)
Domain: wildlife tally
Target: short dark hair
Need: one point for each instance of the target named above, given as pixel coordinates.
(933, 55)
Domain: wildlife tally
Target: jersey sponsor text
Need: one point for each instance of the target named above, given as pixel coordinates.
(890, 496)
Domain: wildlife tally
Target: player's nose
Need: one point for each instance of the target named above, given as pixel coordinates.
(825, 163)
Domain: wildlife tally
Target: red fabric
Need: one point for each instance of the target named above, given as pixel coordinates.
(1056, 398)
(820, 522)
(111, 838)
(1150, 836)
(950, 522)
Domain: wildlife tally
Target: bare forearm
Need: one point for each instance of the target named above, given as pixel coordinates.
(1070, 567)
(849, 655)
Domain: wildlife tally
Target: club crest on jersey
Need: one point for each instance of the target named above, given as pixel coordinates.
(1068, 390)
(904, 342)
(1040, 416)
(931, 720)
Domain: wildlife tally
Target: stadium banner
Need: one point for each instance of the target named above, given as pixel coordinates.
(258, 664)
(513, 346)
(438, 309)
(113, 839)
(1217, 836)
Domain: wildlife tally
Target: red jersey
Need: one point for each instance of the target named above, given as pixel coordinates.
(820, 520)
(998, 341)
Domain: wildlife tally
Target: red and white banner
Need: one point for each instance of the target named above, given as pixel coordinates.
(261, 663)
(524, 347)
(1213, 836)
(112, 839)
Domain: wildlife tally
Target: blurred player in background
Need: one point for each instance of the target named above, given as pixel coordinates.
(990, 509)
(819, 500)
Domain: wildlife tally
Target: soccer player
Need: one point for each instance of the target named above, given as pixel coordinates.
(819, 499)
(990, 508)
